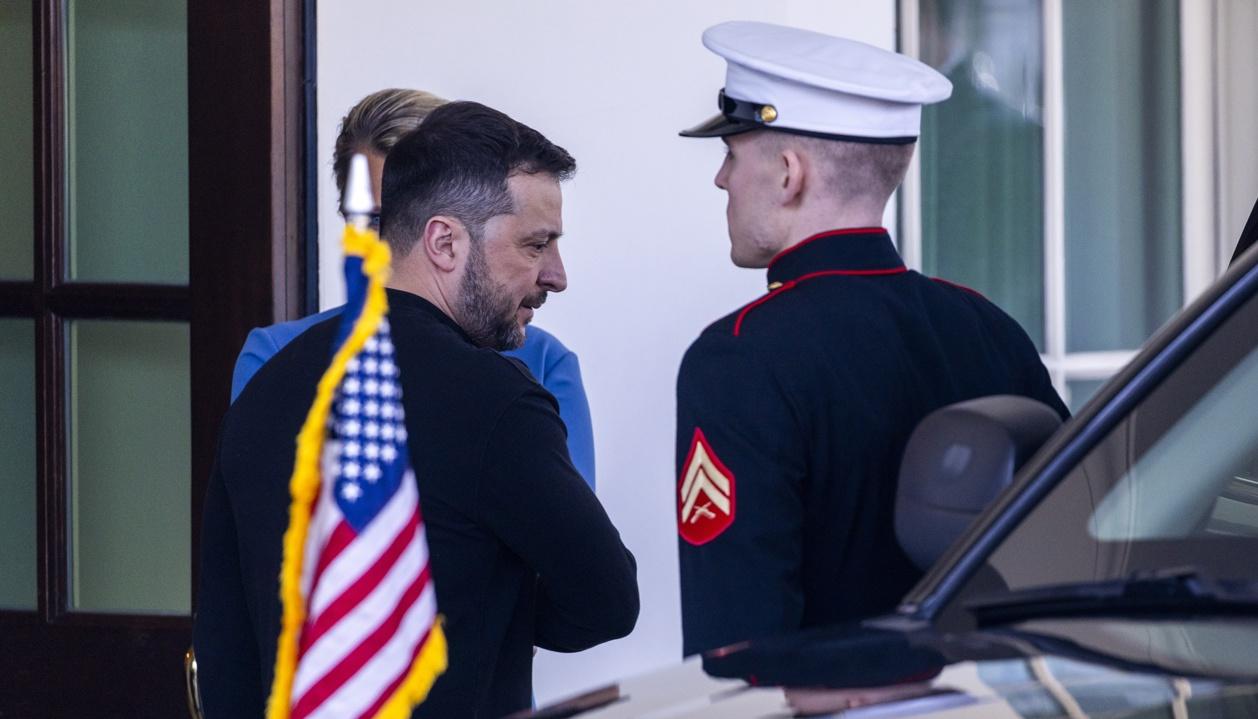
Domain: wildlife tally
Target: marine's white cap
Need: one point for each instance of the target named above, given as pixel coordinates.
(784, 78)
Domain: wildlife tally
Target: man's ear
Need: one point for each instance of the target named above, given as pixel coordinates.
(794, 170)
(441, 241)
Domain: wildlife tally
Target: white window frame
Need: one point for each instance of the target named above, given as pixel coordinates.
(1201, 241)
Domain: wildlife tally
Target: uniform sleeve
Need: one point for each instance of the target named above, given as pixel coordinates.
(229, 672)
(1041, 387)
(534, 500)
(1038, 385)
(741, 463)
(258, 348)
(563, 380)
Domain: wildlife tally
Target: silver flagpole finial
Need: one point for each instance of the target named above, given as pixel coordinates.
(358, 204)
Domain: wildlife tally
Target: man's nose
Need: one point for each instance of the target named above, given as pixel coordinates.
(552, 277)
(722, 176)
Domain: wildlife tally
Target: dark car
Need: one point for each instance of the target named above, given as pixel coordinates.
(1115, 574)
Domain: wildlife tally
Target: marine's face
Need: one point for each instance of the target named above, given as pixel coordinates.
(514, 265)
(748, 176)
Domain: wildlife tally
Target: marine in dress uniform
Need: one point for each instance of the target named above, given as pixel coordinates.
(793, 411)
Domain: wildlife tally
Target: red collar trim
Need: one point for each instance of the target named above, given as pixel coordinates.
(823, 235)
(789, 284)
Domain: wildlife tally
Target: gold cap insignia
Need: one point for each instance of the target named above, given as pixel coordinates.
(768, 113)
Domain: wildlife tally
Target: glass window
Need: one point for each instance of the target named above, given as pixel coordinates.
(127, 106)
(1123, 220)
(130, 467)
(982, 153)
(18, 577)
(1071, 108)
(1173, 485)
(1080, 391)
(17, 182)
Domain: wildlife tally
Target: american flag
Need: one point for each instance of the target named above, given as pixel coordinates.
(369, 643)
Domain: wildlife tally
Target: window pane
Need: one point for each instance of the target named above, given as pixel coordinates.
(17, 182)
(1123, 220)
(130, 447)
(18, 578)
(1174, 484)
(1081, 390)
(982, 153)
(128, 141)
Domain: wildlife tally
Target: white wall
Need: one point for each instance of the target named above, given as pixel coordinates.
(645, 242)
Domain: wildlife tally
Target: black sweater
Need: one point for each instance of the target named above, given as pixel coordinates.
(522, 553)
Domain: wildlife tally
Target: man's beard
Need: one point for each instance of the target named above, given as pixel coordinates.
(485, 312)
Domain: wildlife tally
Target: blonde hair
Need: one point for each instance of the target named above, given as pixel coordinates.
(376, 124)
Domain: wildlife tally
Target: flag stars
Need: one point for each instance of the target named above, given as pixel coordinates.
(368, 419)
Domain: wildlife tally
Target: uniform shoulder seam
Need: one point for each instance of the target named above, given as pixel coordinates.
(959, 286)
(747, 308)
(791, 284)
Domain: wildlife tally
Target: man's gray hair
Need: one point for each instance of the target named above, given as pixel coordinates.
(376, 124)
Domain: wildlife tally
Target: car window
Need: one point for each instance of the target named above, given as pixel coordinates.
(1173, 485)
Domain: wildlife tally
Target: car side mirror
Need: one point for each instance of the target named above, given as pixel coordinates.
(958, 459)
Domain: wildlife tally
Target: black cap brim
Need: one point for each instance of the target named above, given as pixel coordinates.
(720, 126)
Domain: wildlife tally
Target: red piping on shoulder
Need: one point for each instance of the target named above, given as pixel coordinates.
(823, 235)
(950, 283)
(738, 323)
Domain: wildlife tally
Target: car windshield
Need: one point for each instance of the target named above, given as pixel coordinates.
(1174, 485)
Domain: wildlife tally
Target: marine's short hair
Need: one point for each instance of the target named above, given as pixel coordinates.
(853, 171)
(376, 124)
(457, 163)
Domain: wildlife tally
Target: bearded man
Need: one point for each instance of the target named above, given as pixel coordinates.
(522, 554)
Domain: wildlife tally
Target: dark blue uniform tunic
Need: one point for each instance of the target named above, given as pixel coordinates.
(792, 416)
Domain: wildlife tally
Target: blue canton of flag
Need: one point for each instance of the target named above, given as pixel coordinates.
(367, 421)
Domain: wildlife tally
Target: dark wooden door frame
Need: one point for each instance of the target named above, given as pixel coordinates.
(247, 209)
(250, 106)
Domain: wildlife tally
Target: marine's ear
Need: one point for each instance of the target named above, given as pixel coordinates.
(794, 170)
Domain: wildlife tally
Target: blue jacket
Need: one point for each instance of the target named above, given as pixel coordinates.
(553, 364)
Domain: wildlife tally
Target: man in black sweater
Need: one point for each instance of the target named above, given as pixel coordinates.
(522, 554)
